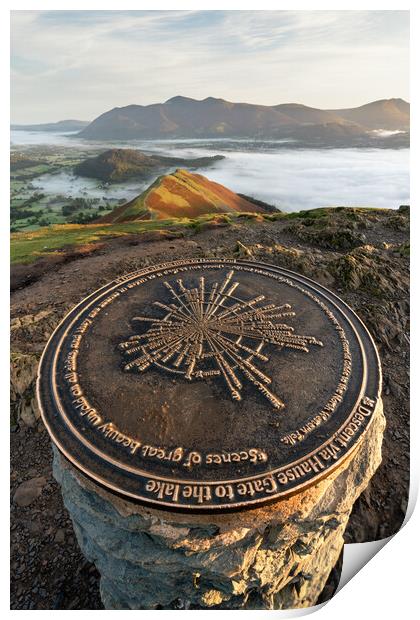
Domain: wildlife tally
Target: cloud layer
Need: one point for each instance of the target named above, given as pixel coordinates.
(78, 64)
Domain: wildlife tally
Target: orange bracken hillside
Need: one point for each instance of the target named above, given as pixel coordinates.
(181, 194)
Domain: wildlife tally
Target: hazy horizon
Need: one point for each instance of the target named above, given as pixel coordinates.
(79, 64)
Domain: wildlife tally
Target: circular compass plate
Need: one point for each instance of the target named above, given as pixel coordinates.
(209, 384)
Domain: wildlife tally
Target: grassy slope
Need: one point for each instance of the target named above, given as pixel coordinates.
(192, 195)
(131, 210)
(184, 194)
(26, 247)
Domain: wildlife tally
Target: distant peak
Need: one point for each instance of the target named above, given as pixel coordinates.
(395, 100)
(291, 105)
(214, 100)
(180, 99)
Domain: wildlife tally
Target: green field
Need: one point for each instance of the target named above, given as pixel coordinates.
(30, 208)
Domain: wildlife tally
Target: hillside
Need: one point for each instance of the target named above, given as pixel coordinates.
(211, 117)
(67, 125)
(181, 194)
(390, 114)
(306, 115)
(121, 164)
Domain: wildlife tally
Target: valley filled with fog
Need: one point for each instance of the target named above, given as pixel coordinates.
(277, 172)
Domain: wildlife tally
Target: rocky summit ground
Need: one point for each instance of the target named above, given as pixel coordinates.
(362, 255)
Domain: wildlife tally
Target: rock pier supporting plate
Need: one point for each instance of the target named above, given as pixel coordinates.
(277, 556)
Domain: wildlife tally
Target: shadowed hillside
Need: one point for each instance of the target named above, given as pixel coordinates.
(121, 164)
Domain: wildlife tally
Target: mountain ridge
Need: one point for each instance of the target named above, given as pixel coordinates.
(185, 117)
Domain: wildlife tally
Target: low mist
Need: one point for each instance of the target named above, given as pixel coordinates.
(293, 179)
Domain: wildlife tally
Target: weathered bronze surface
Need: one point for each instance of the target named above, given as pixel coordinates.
(209, 384)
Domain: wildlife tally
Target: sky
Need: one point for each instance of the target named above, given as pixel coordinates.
(79, 64)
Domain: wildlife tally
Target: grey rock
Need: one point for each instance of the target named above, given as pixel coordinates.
(273, 557)
(28, 491)
(60, 536)
(23, 371)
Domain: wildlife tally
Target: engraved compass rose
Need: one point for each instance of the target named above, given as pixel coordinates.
(210, 332)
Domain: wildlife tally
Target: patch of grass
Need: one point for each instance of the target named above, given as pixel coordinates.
(137, 208)
(28, 246)
(30, 172)
(272, 217)
(404, 249)
(323, 212)
(310, 214)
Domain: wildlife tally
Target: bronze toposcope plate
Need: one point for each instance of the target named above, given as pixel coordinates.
(209, 384)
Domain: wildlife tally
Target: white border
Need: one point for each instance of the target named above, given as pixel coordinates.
(387, 586)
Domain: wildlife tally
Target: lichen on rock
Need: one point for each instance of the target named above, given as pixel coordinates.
(23, 371)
